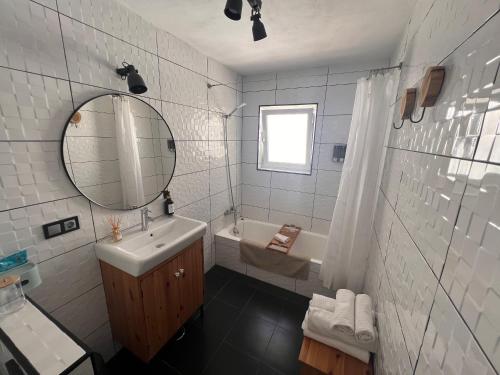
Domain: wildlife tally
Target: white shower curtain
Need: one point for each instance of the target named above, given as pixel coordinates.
(128, 154)
(348, 243)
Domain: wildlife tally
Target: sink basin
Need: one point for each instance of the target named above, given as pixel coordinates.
(139, 251)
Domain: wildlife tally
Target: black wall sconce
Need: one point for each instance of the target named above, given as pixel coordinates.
(233, 11)
(135, 82)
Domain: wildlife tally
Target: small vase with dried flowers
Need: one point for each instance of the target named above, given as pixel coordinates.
(115, 228)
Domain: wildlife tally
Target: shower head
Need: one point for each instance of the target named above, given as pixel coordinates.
(234, 110)
(240, 106)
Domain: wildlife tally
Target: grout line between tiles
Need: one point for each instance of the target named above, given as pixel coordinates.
(44, 5)
(444, 289)
(394, 302)
(426, 327)
(95, 330)
(230, 330)
(104, 32)
(473, 335)
(316, 143)
(163, 174)
(40, 203)
(66, 252)
(314, 169)
(271, 173)
(329, 115)
(301, 87)
(34, 73)
(209, 174)
(30, 141)
(438, 278)
(67, 79)
(319, 150)
(442, 155)
(286, 212)
(75, 298)
(93, 221)
(289, 190)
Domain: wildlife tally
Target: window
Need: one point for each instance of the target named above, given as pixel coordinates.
(286, 138)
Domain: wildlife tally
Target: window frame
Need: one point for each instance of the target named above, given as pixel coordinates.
(311, 109)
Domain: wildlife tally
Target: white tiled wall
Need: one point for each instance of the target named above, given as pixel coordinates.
(303, 200)
(50, 63)
(434, 273)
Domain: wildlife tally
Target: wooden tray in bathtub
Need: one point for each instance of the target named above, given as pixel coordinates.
(292, 232)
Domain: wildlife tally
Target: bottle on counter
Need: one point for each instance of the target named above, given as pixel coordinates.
(169, 204)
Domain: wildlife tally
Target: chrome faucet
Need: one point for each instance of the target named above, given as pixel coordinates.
(145, 218)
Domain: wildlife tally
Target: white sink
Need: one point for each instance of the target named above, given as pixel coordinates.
(139, 251)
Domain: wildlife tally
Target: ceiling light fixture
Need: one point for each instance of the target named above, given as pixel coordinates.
(258, 29)
(233, 11)
(135, 82)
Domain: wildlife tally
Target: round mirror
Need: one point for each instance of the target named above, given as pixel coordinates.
(118, 151)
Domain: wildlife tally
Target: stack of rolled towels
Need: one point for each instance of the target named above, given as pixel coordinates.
(345, 323)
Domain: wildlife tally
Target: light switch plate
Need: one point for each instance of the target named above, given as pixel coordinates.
(60, 227)
(69, 224)
(54, 229)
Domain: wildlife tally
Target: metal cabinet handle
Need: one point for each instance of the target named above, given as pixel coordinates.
(181, 270)
(177, 274)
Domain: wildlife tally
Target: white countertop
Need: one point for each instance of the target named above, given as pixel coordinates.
(43, 343)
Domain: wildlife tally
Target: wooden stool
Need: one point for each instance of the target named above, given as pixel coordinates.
(318, 358)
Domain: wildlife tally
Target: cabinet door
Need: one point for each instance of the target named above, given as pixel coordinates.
(161, 304)
(125, 307)
(190, 264)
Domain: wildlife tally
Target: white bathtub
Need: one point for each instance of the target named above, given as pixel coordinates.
(308, 244)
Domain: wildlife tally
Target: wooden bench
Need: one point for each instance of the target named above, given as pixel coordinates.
(318, 358)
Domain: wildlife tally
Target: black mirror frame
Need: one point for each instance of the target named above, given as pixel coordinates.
(61, 148)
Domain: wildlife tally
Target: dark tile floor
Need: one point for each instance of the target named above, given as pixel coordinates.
(248, 327)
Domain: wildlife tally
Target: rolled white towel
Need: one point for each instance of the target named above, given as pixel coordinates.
(281, 238)
(320, 321)
(323, 302)
(343, 317)
(363, 319)
(351, 340)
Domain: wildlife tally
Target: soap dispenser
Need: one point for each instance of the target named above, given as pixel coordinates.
(169, 203)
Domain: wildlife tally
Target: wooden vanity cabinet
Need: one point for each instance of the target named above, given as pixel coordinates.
(146, 311)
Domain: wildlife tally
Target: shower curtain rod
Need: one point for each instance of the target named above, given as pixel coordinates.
(399, 66)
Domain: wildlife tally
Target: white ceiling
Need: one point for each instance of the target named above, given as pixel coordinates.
(300, 32)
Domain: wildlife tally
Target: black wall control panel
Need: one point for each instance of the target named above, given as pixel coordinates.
(59, 227)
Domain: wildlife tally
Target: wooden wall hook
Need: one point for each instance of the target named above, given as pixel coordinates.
(431, 86)
(408, 103)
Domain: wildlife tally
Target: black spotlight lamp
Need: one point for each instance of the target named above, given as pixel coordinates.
(135, 82)
(233, 9)
(258, 29)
